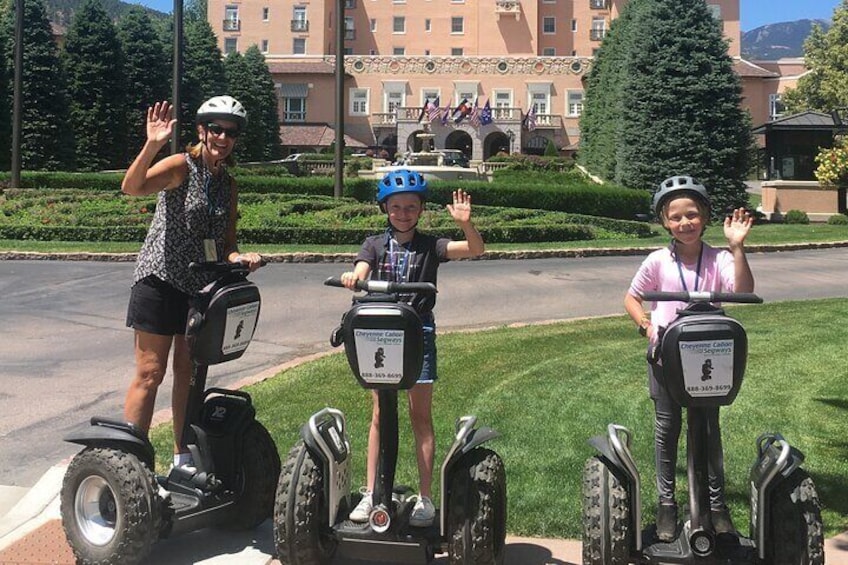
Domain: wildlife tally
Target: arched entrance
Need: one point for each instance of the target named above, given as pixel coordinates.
(459, 139)
(389, 145)
(496, 143)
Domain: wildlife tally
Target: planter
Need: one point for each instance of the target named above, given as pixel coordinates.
(808, 196)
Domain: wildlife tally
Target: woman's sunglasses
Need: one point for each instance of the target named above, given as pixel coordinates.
(218, 129)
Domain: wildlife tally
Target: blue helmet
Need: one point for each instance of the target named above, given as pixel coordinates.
(401, 180)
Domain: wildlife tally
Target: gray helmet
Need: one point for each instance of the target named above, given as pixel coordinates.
(677, 184)
(222, 108)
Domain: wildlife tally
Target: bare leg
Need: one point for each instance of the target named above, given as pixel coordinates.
(420, 413)
(373, 443)
(151, 361)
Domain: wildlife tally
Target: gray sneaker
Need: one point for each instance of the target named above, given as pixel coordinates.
(423, 512)
(362, 511)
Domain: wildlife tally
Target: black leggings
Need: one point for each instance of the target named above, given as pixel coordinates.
(667, 426)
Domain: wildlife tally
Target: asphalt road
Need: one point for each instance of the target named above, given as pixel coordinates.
(65, 354)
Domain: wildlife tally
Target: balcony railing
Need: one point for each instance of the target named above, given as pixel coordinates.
(508, 8)
(599, 4)
(232, 24)
(597, 34)
(300, 25)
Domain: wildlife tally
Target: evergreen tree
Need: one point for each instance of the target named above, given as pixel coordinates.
(600, 122)
(243, 88)
(95, 65)
(202, 75)
(147, 75)
(267, 111)
(825, 86)
(46, 140)
(7, 73)
(681, 103)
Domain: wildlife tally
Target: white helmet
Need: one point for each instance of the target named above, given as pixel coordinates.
(222, 108)
(677, 184)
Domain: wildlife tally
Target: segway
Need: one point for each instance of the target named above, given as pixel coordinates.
(383, 340)
(703, 353)
(113, 506)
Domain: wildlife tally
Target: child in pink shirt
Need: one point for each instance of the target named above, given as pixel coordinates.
(687, 264)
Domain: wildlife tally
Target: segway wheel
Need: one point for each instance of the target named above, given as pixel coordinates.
(301, 529)
(477, 509)
(795, 534)
(607, 534)
(257, 479)
(110, 507)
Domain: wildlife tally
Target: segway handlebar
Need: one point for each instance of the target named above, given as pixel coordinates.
(386, 287)
(221, 267)
(701, 296)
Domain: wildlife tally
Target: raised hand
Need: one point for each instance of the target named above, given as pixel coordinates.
(460, 210)
(736, 226)
(160, 122)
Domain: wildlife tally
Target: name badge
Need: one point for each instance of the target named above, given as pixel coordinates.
(210, 250)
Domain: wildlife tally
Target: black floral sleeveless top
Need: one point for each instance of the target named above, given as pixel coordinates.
(196, 210)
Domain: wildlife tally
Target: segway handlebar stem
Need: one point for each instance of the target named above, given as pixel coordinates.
(701, 296)
(386, 287)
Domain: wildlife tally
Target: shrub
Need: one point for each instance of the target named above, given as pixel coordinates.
(796, 217)
(838, 220)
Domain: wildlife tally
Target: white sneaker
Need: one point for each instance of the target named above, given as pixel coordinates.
(362, 511)
(423, 512)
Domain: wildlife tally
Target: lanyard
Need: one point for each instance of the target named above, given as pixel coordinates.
(398, 262)
(697, 271)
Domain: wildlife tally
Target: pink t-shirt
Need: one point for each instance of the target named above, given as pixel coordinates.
(659, 272)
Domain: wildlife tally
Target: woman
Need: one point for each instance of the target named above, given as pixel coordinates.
(195, 220)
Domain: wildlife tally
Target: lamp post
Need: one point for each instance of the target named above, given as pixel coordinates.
(338, 183)
(511, 135)
(177, 72)
(17, 105)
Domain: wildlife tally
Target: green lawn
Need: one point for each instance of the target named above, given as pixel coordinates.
(548, 388)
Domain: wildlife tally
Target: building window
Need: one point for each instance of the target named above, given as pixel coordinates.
(457, 25)
(456, 52)
(573, 25)
(599, 29)
(428, 25)
(549, 25)
(715, 10)
(549, 52)
(398, 24)
(295, 110)
(231, 18)
(426, 52)
(575, 103)
(398, 51)
(776, 108)
(299, 46)
(350, 4)
(429, 95)
(598, 4)
(373, 25)
(264, 47)
(230, 45)
(266, 14)
(349, 31)
(539, 100)
(299, 21)
(347, 50)
(372, 51)
(393, 101)
(358, 102)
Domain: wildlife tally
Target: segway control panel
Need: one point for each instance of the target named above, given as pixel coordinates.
(703, 351)
(223, 316)
(383, 337)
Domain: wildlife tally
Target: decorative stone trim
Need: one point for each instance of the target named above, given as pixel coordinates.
(382, 65)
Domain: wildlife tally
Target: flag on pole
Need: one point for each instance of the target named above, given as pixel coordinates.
(486, 114)
(424, 109)
(474, 118)
(433, 110)
(446, 112)
(530, 118)
(461, 111)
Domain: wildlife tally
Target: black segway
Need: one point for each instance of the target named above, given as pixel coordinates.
(383, 340)
(114, 508)
(703, 353)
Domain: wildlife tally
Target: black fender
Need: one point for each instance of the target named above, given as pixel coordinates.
(474, 439)
(116, 435)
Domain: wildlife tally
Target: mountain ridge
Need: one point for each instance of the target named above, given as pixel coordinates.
(779, 40)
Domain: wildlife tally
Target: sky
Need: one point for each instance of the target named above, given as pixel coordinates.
(754, 13)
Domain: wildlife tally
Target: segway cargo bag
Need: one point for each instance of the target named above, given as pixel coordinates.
(222, 321)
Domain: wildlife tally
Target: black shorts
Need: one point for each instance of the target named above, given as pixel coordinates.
(157, 307)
